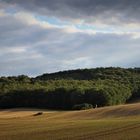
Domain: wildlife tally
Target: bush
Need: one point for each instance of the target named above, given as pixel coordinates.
(83, 106)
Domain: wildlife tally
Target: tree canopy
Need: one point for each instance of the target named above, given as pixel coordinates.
(69, 89)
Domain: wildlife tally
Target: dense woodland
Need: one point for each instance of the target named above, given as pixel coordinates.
(72, 88)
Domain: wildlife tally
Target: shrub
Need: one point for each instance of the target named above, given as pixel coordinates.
(83, 106)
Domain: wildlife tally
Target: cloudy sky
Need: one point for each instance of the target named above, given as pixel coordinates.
(39, 36)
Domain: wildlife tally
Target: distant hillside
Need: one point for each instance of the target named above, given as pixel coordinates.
(93, 74)
(71, 89)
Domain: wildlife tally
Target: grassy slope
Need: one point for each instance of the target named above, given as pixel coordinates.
(117, 123)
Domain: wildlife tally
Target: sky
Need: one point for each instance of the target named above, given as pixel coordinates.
(44, 36)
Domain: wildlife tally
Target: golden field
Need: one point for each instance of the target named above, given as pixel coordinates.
(120, 122)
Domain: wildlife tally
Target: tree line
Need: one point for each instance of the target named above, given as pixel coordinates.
(65, 90)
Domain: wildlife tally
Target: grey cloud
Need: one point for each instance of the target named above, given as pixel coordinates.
(49, 50)
(89, 10)
(17, 33)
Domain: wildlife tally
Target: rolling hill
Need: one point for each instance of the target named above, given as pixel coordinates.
(116, 122)
(67, 89)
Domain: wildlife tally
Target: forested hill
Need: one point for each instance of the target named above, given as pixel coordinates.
(73, 89)
(93, 74)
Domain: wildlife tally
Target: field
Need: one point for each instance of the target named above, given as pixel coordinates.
(108, 123)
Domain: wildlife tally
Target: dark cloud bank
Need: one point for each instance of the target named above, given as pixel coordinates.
(121, 10)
